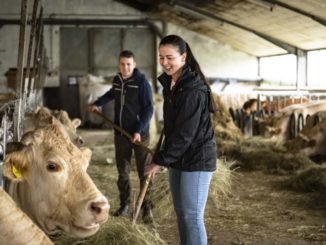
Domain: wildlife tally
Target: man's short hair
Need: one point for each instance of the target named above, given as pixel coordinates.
(127, 54)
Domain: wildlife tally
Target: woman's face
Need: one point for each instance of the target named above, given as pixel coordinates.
(171, 60)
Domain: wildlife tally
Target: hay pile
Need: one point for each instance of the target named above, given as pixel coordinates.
(220, 189)
(312, 179)
(116, 231)
(257, 153)
(221, 185)
(161, 195)
(223, 125)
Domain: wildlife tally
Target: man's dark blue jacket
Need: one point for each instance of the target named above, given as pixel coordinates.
(133, 106)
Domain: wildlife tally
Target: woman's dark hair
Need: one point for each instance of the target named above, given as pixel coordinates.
(183, 47)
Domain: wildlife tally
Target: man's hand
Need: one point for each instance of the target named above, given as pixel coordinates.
(136, 137)
(93, 108)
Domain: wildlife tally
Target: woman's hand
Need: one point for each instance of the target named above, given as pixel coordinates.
(151, 169)
(93, 108)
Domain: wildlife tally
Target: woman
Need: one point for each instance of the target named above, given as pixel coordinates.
(189, 149)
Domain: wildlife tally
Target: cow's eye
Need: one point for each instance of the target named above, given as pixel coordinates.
(52, 166)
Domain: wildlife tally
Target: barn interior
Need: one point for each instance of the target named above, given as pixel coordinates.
(264, 60)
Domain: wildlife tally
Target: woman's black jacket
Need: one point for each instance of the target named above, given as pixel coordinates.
(189, 143)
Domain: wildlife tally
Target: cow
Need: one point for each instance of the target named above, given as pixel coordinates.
(16, 228)
(288, 121)
(49, 182)
(310, 141)
(274, 106)
(43, 117)
(279, 104)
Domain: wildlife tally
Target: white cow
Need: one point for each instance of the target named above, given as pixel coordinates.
(16, 228)
(50, 183)
(43, 117)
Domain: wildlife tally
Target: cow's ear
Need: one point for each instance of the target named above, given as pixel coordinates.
(15, 164)
(76, 122)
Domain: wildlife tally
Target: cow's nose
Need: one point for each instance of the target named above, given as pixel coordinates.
(99, 207)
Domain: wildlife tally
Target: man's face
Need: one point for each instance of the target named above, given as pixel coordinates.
(126, 66)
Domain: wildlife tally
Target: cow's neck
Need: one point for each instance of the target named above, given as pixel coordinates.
(20, 194)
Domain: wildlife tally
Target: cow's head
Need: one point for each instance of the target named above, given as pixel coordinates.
(71, 126)
(310, 142)
(43, 117)
(54, 188)
(275, 127)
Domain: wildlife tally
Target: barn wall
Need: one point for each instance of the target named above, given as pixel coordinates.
(63, 9)
(218, 59)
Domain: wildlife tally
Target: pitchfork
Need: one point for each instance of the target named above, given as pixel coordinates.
(145, 183)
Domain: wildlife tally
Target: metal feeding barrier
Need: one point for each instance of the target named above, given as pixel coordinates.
(13, 111)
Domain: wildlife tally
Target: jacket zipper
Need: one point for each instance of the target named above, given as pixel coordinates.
(122, 99)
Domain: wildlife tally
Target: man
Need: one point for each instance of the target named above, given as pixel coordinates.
(133, 109)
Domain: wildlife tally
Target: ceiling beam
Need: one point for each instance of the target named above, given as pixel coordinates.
(204, 14)
(297, 10)
(92, 22)
(81, 21)
(140, 5)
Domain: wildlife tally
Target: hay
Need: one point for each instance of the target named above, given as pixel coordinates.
(223, 125)
(312, 179)
(221, 184)
(254, 153)
(310, 233)
(220, 189)
(117, 231)
(260, 154)
(161, 196)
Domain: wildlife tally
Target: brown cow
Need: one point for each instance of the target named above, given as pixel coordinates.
(278, 126)
(311, 141)
(16, 228)
(279, 104)
(50, 183)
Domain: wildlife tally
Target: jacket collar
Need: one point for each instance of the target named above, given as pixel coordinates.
(165, 79)
(187, 79)
(136, 74)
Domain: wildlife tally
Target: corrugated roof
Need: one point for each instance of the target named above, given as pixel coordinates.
(257, 27)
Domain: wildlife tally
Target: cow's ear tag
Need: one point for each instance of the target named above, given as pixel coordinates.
(16, 172)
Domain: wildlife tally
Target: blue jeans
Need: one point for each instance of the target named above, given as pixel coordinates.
(189, 193)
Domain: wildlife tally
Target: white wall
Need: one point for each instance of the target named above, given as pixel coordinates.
(217, 59)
